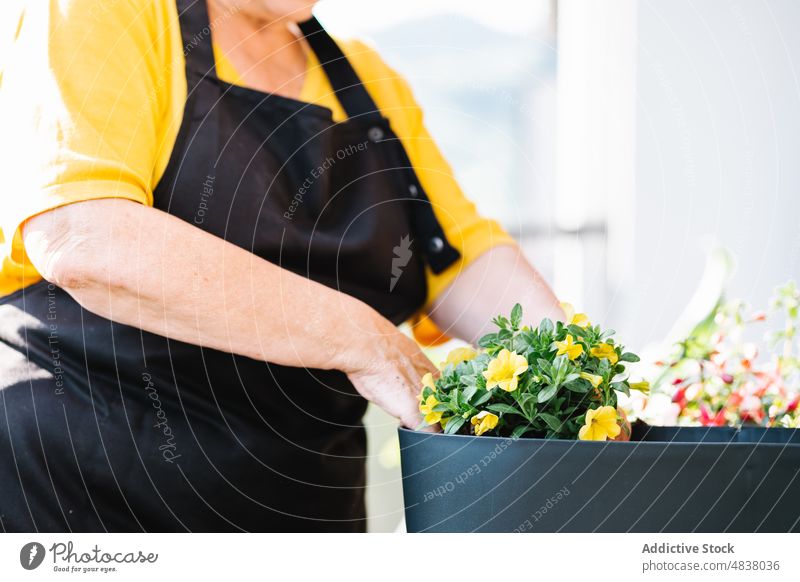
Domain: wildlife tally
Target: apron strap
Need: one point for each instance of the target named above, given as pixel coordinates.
(438, 251)
(196, 36)
(347, 86)
(357, 102)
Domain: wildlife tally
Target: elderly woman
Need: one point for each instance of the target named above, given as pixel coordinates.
(214, 218)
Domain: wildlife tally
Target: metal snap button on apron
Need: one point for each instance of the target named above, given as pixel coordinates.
(436, 244)
(413, 191)
(375, 134)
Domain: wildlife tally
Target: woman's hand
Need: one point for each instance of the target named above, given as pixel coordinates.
(387, 368)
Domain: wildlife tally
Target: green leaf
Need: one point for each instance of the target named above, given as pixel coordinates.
(607, 334)
(547, 393)
(519, 344)
(455, 423)
(546, 326)
(561, 362)
(487, 394)
(528, 403)
(504, 409)
(504, 334)
(576, 331)
(544, 364)
(629, 357)
(580, 386)
(488, 340)
(621, 387)
(551, 421)
(476, 364)
(469, 392)
(467, 379)
(516, 316)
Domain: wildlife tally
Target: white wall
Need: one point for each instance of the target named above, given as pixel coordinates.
(717, 153)
(596, 144)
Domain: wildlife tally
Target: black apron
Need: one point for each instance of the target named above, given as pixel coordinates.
(106, 427)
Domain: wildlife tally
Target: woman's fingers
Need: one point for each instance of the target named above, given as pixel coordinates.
(389, 371)
(394, 384)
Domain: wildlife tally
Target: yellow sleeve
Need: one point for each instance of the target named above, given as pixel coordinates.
(469, 232)
(82, 100)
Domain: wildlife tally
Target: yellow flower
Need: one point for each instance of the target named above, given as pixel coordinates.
(444, 422)
(504, 369)
(427, 407)
(459, 355)
(427, 382)
(643, 386)
(605, 351)
(484, 421)
(570, 348)
(601, 424)
(594, 379)
(572, 318)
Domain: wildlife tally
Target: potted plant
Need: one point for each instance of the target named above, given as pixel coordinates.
(532, 439)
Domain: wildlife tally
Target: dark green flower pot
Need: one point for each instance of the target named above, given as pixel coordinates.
(671, 479)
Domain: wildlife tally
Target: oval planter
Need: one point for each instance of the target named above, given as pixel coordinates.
(671, 479)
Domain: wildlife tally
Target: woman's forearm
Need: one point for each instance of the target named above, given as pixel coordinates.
(143, 267)
(489, 286)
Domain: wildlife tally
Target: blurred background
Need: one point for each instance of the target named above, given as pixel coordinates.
(619, 141)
